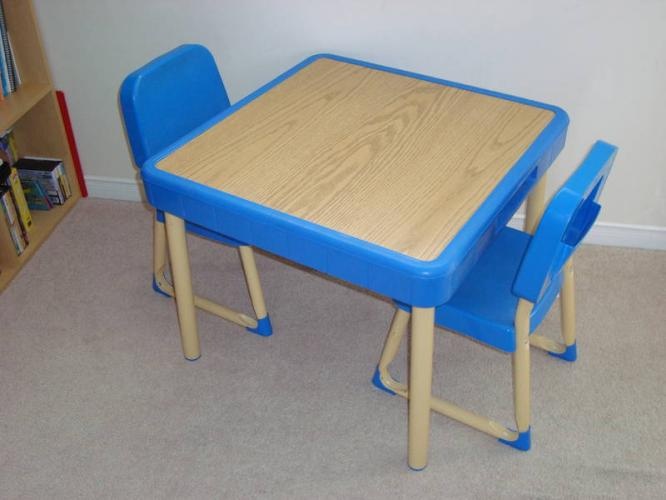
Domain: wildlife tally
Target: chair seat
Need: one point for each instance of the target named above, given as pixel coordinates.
(484, 306)
(202, 231)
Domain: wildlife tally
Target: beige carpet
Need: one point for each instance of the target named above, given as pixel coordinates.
(97, 401)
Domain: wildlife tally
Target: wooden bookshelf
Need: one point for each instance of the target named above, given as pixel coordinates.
(33, 114)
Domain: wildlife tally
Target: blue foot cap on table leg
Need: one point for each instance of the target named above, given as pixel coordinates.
(522, 443)
(263, 328)
(570, 354)
(157, 288)
(415, 469)
(377, 382)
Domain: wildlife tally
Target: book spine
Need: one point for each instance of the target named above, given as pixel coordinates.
(8, 56)
(64, 181)
(19, 200)
(12, 222)
(57, 183)
(17, 73)
(4, 76)
(8, 207)
(17, 238)
(11, 143)
(8, 148)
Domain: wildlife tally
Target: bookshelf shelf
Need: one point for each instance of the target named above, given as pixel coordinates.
(20, 102)
(44, 222)
(33, 114)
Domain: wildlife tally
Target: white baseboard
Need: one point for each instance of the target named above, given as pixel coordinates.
(112, 188)
(614, 234)
(628, 235)
(603, 233)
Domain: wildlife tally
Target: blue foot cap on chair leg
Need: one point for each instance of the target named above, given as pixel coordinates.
(157, 288)
(263, 328)
(377, 382)
(522, 443)
(570, 354)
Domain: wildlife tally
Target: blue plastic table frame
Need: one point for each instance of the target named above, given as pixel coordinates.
(422, 284)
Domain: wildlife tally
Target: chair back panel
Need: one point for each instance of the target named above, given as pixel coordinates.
(169, 97)
(565, 222)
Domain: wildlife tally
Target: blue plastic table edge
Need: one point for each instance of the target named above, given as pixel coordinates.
(401, 277)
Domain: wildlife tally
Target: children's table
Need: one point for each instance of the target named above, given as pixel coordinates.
(390, 180)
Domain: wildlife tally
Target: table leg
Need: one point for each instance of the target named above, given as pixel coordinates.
(535, 205)
(182, 283)
(420, 385)
(521, 367)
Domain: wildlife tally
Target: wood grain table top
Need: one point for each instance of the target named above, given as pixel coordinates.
(392, 160)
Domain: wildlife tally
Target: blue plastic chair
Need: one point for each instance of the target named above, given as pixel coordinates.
(161, 102)
(510, 290)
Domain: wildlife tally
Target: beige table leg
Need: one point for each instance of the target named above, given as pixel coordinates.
(182, 281)
(420, 385)
(535, 206)
(521, 366)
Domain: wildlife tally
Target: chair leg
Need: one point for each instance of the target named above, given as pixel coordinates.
(263, 327)
(180, 266)
(162, 285)
(568, 313)
(521, 377)
(382, 380)
(567, 350)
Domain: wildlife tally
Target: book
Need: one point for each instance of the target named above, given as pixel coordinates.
(4, 72)
(17, 73)
(8, 150)
(63, 181)
(9, 177)
(49, 173)
(8, 63)
(35, 195)
(11, 220)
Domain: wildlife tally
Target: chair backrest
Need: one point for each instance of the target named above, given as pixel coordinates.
(565, 222)
(169, 97)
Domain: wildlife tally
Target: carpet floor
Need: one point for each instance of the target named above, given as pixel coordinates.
(97, 401)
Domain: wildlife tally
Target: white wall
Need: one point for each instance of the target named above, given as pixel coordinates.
(604, 62)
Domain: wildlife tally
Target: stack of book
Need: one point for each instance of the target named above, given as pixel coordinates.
(9, 74)
(44, 182)
(28, 183)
